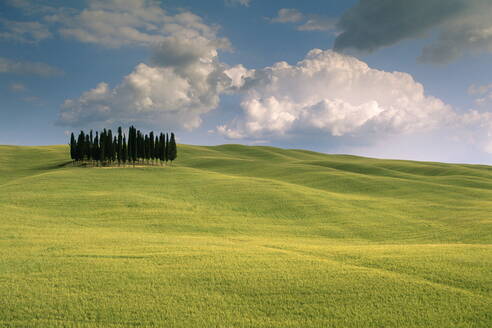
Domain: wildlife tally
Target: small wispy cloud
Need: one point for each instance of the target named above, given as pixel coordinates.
(30, 7)
(24, 32)
(288, 15)
(479, 89)
(33, 100)
(28, 68)
(17, 87)
(318, 23)
(306, 22)
(245, 3)
(482, 92)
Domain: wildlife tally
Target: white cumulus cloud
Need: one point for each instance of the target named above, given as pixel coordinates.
(183, 81)
(148, 94)
(334, 94)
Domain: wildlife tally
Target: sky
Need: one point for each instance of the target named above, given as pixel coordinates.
(389, 79)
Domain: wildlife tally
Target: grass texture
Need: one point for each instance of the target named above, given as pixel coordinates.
(238, 236)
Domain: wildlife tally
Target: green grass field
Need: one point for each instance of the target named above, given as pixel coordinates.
(237, 236)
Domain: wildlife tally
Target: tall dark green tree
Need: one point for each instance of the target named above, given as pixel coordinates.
(109, 146)
(130, 143)
(151, 145)
(141, 139)
(102, 147)
(156, 148)
(115, 149)
(95, 148)
(73, 147)
(163, 148)
(138, 150)
(87, 154)
(140, 145)
(173, 151)
(119, 147)
(146, 149)
(135, 146)
(81, 146)
(124, 151)
(167, 148)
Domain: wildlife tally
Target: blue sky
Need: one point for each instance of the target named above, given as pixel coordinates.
(408, 80)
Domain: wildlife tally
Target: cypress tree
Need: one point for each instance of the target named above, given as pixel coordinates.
(147, 148)
(132, 144)
(73, 147)
(167, 148)
(120, 144)
(87, 154)
(95, 148)
(156, 148)
(109, 146)
(162, 148)
(151, 145)
(173, 151)
(130, 131)
(81, 146)
(91, 145)
(135, 146)
(102, 147)
(140, 145)
(115, 149)
(124, 151)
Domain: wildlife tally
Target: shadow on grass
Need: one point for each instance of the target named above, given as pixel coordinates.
(57, 165)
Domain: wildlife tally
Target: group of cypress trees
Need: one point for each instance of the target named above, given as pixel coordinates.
(106, 149)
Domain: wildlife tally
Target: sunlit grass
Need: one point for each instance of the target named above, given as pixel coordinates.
(236, 236)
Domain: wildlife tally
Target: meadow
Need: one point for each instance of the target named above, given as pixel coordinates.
(241, 236)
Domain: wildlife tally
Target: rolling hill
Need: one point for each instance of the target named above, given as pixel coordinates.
(241, 236)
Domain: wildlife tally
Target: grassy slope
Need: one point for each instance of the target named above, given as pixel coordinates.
(236, 236)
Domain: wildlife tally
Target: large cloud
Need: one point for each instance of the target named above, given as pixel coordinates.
(464, 26)
(333, 94)
(168, 96)
(149, 94)
(182, 82)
